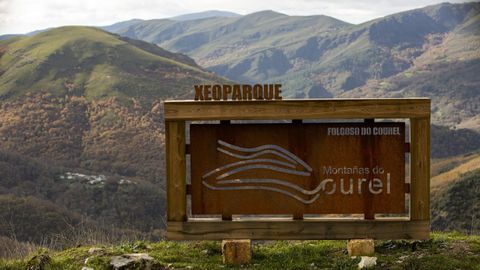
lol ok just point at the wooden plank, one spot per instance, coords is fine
(420, 169)
(298, 230)
(176, 181)
(297, 109)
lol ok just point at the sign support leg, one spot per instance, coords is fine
(237, 251)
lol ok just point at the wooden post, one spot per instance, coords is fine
(176, 178)
(369, 154)
(420, 168)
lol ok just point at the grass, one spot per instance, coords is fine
(442, 251)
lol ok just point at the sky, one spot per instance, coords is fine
(22, 16)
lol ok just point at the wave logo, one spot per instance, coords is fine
(267, 157)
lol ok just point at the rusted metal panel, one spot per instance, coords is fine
(328, 168)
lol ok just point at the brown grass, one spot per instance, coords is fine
(13, 249)
(465, 164)
(78, 236)
(439, 166)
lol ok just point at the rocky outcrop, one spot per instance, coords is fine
(135, 261)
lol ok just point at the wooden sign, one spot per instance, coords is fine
(238, 92)
(346, 168)
(299, 169)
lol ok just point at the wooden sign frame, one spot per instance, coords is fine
(416, 226)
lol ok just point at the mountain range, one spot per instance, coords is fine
(432, 51)
(205, 15)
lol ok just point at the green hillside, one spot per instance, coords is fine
(89, 62)
(456, 205)
(85, 98)
(445, 142)
(41, 202)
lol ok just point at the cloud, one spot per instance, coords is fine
(4, 11)
(20, 16)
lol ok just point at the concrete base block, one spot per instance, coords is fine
(237, 251)
(361, 247)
